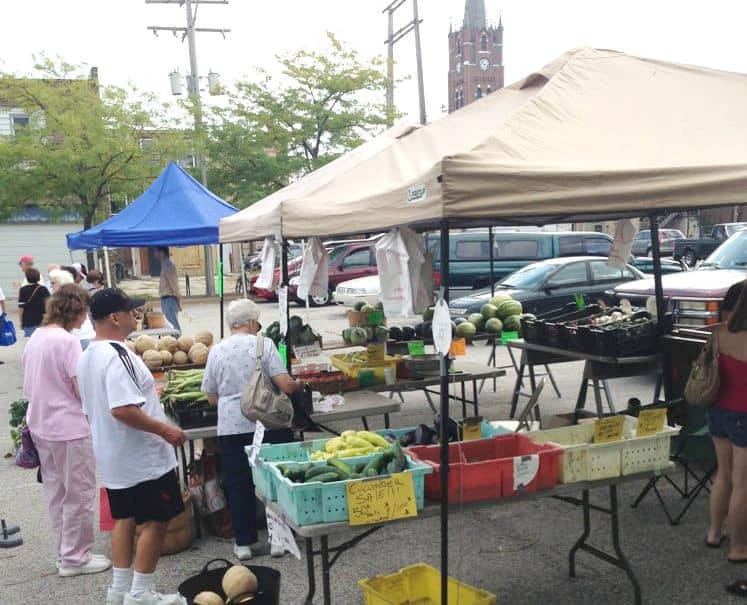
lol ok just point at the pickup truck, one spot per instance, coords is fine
(695, 297)
(692, 250)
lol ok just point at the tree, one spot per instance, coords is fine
(83, 145)
(318, 106)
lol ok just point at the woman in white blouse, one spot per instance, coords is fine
(229, 367)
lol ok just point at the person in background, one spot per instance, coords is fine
(229, 367)
(25, 263)
(85, 333)
(95, 281)
(134, 447)
(51, 267)
(61, 433)
(81, 272)
(31, 301)
(727, 421)
(168, 288)
(2, 310)
(60, 277)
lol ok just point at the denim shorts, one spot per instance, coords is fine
(728, 425)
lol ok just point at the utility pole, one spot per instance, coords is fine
(392, 38)
(193, 89)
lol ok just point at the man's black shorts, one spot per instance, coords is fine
(156, 500)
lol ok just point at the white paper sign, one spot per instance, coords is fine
(259, 435)
(525, 470)
(280, 534)
(442, 327)
(283, 308)
(622, 244)
(307, 351)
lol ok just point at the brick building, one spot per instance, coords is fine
(475, 56)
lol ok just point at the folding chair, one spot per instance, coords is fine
(693, 451)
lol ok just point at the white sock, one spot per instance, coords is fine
(141, 582)
(121, 578)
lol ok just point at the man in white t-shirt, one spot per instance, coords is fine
(134, 447)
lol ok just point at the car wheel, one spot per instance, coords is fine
(320, 301)
(690, 258)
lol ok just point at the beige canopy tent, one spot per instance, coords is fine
(594, 133)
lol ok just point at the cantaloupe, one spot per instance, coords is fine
(144, 343)
(168, 343)
(185, 343)
(179, 358)
(204, 337)
(166, 357)
(152, 359)
(198, 353)
(239, 581)
(131, 346)
(208, 598)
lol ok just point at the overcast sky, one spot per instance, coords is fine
(113, 35)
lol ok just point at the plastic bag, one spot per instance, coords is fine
(27, 456)
(7, 332)
(314, 277)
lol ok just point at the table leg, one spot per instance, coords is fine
(365, 422)
(598, 398)
(325, 571)
(533, 384)
(584, 536)
(310, 572)
(386, 421)
(430, 401)
(474, 397)
(618, 549)
(464, 401)
(518, 384)
(552, 380)
(581, 400)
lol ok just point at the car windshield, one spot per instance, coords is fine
(732, 229)
(530, 276)
(336, 252)
(732, 254)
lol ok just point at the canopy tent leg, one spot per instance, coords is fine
(220, 287)
(284, 283)
(242, 269)
(492, 271)
(107, 269)
(443, 438)
(656, 255)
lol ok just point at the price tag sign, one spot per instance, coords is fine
(283, 351)
(375, 318)
(283, 308)
(380, 500)
(280, 534)
(305, 351)
(259, 435)
(651, 422)
(607, 430)
(525, 470)
(375, 353)
(506, 336)
(458, 347)
(580, 302)
(416, 347)
(441, 327)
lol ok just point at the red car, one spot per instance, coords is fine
(294, 268)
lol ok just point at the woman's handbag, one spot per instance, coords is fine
(7, 332)
(27, 456)
(262, 401)
(703, 384)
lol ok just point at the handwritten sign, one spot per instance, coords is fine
(416, 347)
(651, 422)
(380, 500)
(280, 534)
(580, 302)
(375, 353)
(472, 429)
(306, 351)
(253, 449)
(375, 318)
(525, 470)
(607, 430)
(458, 347)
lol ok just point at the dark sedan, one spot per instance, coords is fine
(551, 283)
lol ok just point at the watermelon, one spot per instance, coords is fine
(509, 307)
(428, 314)
(408, 333)
(359, 305)
(396, 333)
(488, 311)
(512, 323)
(493, 326)
(499, 298)
(367, 309)
(477, 319)
(381, 334)
(459, 320)
(346, 335)
(369, 332)
(295, 323)
(358, 336)
(379, 306)
(466, 329)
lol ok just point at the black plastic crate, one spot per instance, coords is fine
(196, 416)
(530, 329)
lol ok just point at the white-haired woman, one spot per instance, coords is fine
(61, 277)
(229, 367)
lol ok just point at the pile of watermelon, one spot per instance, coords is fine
(500, 313)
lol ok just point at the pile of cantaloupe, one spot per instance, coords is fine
(239, 585)
(170, 351)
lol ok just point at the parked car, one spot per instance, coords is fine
(469, 252)
(550, 284)
(645, 264)
(365, 289)
(695, 297)
(642, 242)
(690, 251)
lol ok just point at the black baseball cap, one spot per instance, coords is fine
(111, 300)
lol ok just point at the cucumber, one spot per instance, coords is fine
(341, 467)
(375, 465)
(326, 477)
(399, 455)
(319, 470)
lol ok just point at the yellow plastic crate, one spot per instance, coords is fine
(352, 368)
(420, 584)
(583, 460)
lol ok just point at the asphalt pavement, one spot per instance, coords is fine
(518, 551)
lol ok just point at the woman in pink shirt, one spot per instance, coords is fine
(60, 431)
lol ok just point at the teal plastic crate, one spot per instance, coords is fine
(300, 451)
(316, 502)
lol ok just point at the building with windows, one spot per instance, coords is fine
(475, 56)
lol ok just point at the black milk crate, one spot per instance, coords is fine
(196, 416)
(530, 329)
(557, 335)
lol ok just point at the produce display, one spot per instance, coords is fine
(350, 444)
(298, 333)
(367, 324)
(389, 461)
(182, 389)
(326, 382)
(169, 351)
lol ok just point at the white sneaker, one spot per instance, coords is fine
(277, 551)
(58, 562)
(242, 553)
(150, 597)
(95, 565)
(114, 597)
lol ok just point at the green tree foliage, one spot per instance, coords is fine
(291, 121)
(84, 145)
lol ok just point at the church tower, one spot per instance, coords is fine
(475, 56)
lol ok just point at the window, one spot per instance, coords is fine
(516, 249)
(597, 246)
(490, 89)
(472, 250)
(570, 275)
(359, 258)
(602, 272)
(478, 92)
(19, 120)
(458, 46)
(571, 245)
(484, 42)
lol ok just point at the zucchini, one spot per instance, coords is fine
(375, 465)
(319, 470)
(326, 477)
(399, 455)
(341, 467)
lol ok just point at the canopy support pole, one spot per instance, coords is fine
(443, 438)
(106, 264)
(490, 252)
(242, 269)
(220, 286)
(284, 283)
(656, 255)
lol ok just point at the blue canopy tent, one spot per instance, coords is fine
(176, 210)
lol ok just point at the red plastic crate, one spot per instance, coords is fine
(484, 469)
